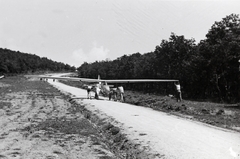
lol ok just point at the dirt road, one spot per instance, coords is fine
(160, 133)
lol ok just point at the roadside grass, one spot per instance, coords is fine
(68, 126)
(19, 83)
(4, 105)
(218, 114)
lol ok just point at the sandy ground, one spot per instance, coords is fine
(38, 123)
(161, 133)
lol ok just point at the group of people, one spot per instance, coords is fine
(119, 91)
(112, 94)
(94, 89)
(115, 92)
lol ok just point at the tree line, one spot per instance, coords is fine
(15, 62)
(207, 70)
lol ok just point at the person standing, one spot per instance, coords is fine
(121, 91)
(97, 92)
(114, 94)
(178, 89)
(89, 88)
(110, 94)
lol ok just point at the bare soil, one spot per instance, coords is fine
(38, 121)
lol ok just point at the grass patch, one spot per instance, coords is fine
(5, 105)
(74, 126)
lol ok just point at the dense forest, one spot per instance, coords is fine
(207, 70)
(15, 62)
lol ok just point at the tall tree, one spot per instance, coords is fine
(175, 58)
(221, 52)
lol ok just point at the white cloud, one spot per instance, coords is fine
(95, 54)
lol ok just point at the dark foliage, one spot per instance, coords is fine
(15, 62)
(208, 70)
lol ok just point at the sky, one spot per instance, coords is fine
(78, 31)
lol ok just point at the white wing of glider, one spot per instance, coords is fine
(137, 80)
(62, 78)
(101, 80)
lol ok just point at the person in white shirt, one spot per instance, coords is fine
(178, 88)
(89, 88)
(97, 92)
(121, 91)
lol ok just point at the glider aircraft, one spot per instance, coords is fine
(1, 77)
(101, 85)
